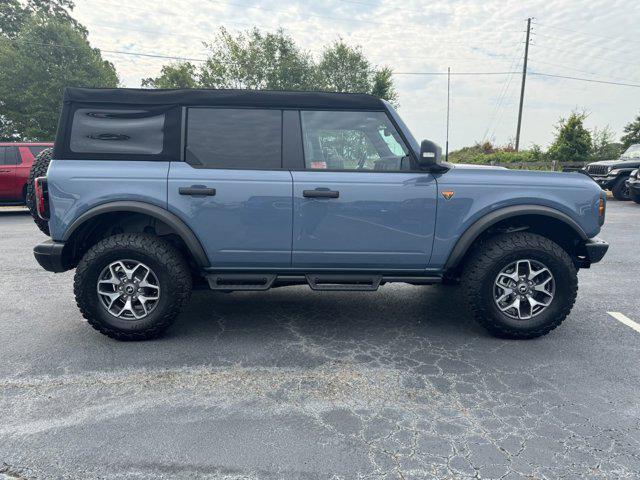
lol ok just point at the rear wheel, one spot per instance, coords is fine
(38, 169)
(520, 285)
(132, 286)
(620, 190)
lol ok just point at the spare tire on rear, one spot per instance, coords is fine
(38, 169)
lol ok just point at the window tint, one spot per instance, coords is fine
(234, 138)
(35, 150)
(11, 156)
(352, 141)
(117, 131)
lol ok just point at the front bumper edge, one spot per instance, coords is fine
(596, 248)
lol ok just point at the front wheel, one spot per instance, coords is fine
(132, 286)
(520, 285)
(620, 190)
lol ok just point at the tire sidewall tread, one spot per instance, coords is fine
(38, 169)
(163, 258)
(617, 190)
(493, 255)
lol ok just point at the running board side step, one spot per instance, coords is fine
(317, 281)
(320, 281)
(241, 281)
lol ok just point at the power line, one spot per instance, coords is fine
(190, 59)
(636, 85)
(454, 73)
(565, 67)
(583, 45)
(588, 34)
(503, 93)
(119, 52)
(569, 53)
(529, 73)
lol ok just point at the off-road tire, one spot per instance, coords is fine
(620, 190)
(38, 169)
(491, 256)
(164, 259)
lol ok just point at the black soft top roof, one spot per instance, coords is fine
(241, 98)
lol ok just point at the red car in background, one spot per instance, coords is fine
(15, 162)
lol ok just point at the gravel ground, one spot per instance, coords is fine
(296, 384)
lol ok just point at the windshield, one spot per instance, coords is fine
(632, 152)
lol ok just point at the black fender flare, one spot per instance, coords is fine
(187, 235)
(482, 224)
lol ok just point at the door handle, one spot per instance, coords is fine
(321, 193)
(197, 190)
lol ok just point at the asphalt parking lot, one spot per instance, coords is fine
(295, 384)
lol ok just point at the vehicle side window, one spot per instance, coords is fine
(352, 141)
(2, 151)
(117, 131)
(12, 156)
(35, 150)
(240, 138)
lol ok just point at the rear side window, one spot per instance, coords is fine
(241, 138)
(114, 132)
(117, 131)
(35, 150)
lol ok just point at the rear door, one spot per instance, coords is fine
(8, 161)
(359, 204)
(231, 189)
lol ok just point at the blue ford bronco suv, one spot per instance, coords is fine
(151, 193)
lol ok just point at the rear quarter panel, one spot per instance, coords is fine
(481, 191)
(76, 186)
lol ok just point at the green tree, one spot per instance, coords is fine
(631, 133)
(344, 69)
(256, 60)
(273, 61)
(383, 86)
(604, 148)
(573, 141)
(175, 75)
(47, 54)
(14, 13)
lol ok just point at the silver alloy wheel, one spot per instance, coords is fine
(128, 289)
(524, 289)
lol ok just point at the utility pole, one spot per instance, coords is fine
(446, 148)
(524, 79)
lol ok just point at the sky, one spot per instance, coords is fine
(594, 39)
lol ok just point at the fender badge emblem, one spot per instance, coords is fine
(448, 194)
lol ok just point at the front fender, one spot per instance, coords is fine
(475, 230)
(482, 197)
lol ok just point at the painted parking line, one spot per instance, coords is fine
(626, 320)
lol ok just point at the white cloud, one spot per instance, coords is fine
(415, 36)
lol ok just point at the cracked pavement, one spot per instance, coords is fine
(296, 384)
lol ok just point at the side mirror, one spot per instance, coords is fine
(430, 154)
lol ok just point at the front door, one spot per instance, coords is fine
(359, 204)
(232, 191)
